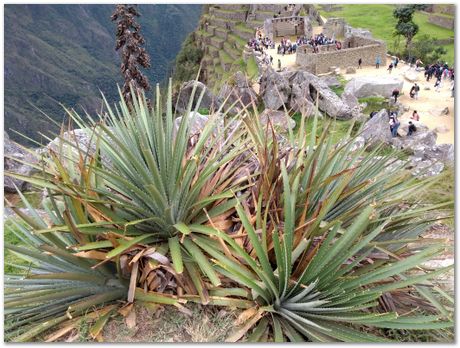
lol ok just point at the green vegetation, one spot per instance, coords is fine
(313, 271)
(188, 60)
(374, 104)
(243, 27)
(251, 68)
(340, 89)
(378, 18)
(66, 54)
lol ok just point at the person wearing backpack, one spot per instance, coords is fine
(412, 129)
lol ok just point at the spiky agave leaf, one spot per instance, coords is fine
(327, 301)
(53, 285)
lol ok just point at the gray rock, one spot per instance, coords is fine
(197, 123)
(308, 86)
(277, 118)
(181, 99)
(426, 88)
(428, 168)
(367, 86)
(238, 89)
(358, 143)
(439, 112)
(350, 70)
(406, 108)
(12, 153)
(411, 75)
(330, 81)
(350, 100)
(274, 89)
(377, 129)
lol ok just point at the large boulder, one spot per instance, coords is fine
(368, 86)
(12, 154)
(238, 90)
(274, 89)
(411, 75)
(277, 118)
(306, 86)
(181, 99)
(377, 129)
(197, 123)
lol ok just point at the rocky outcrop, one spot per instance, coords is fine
(12, 154)
(368, 86)
(238, 90)
(377, 129)
(274, 89)
(181, 99)
(278, 119)
(411, 75)
(306, 88)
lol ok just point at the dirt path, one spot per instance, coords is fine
(428, 103)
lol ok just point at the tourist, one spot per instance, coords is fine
(452, 89)
(390, 67)
(360, 61)
(394, 125)
(271, 60)
(412, 129)
(418, 64)
(395, 94)
(377, 62)
(414, 91)
(396, 61)
(279, 65)
(415, 116)
(437, 84)
(372, 114)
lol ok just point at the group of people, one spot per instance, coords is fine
(261, 44)
(395, 123)
(286, 47)
(318, 40)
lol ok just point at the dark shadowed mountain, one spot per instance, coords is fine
(66, 54)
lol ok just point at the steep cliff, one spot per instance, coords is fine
(66, 54)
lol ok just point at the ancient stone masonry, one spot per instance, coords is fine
(442, 21)
(356, 44)
(287, 26)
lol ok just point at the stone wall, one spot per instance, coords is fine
(442, 21)
(287, 26)
(320, 63)
(334, 27)
(446, 9)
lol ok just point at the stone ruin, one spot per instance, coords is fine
(356, 44)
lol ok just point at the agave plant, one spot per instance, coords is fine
(53, 285)
(319, 268)
(331, 297)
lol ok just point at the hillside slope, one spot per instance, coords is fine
(66, 53)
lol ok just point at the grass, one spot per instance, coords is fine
(239, 40)
(243, 27)
(374, 104)
(251, 68)
(378, 18)
(225, 57)
(339, 89)
(167, 324)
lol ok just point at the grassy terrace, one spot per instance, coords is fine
(203, 33)
(239, 40)
(225, 57)
(243, 27)
(378, 18)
